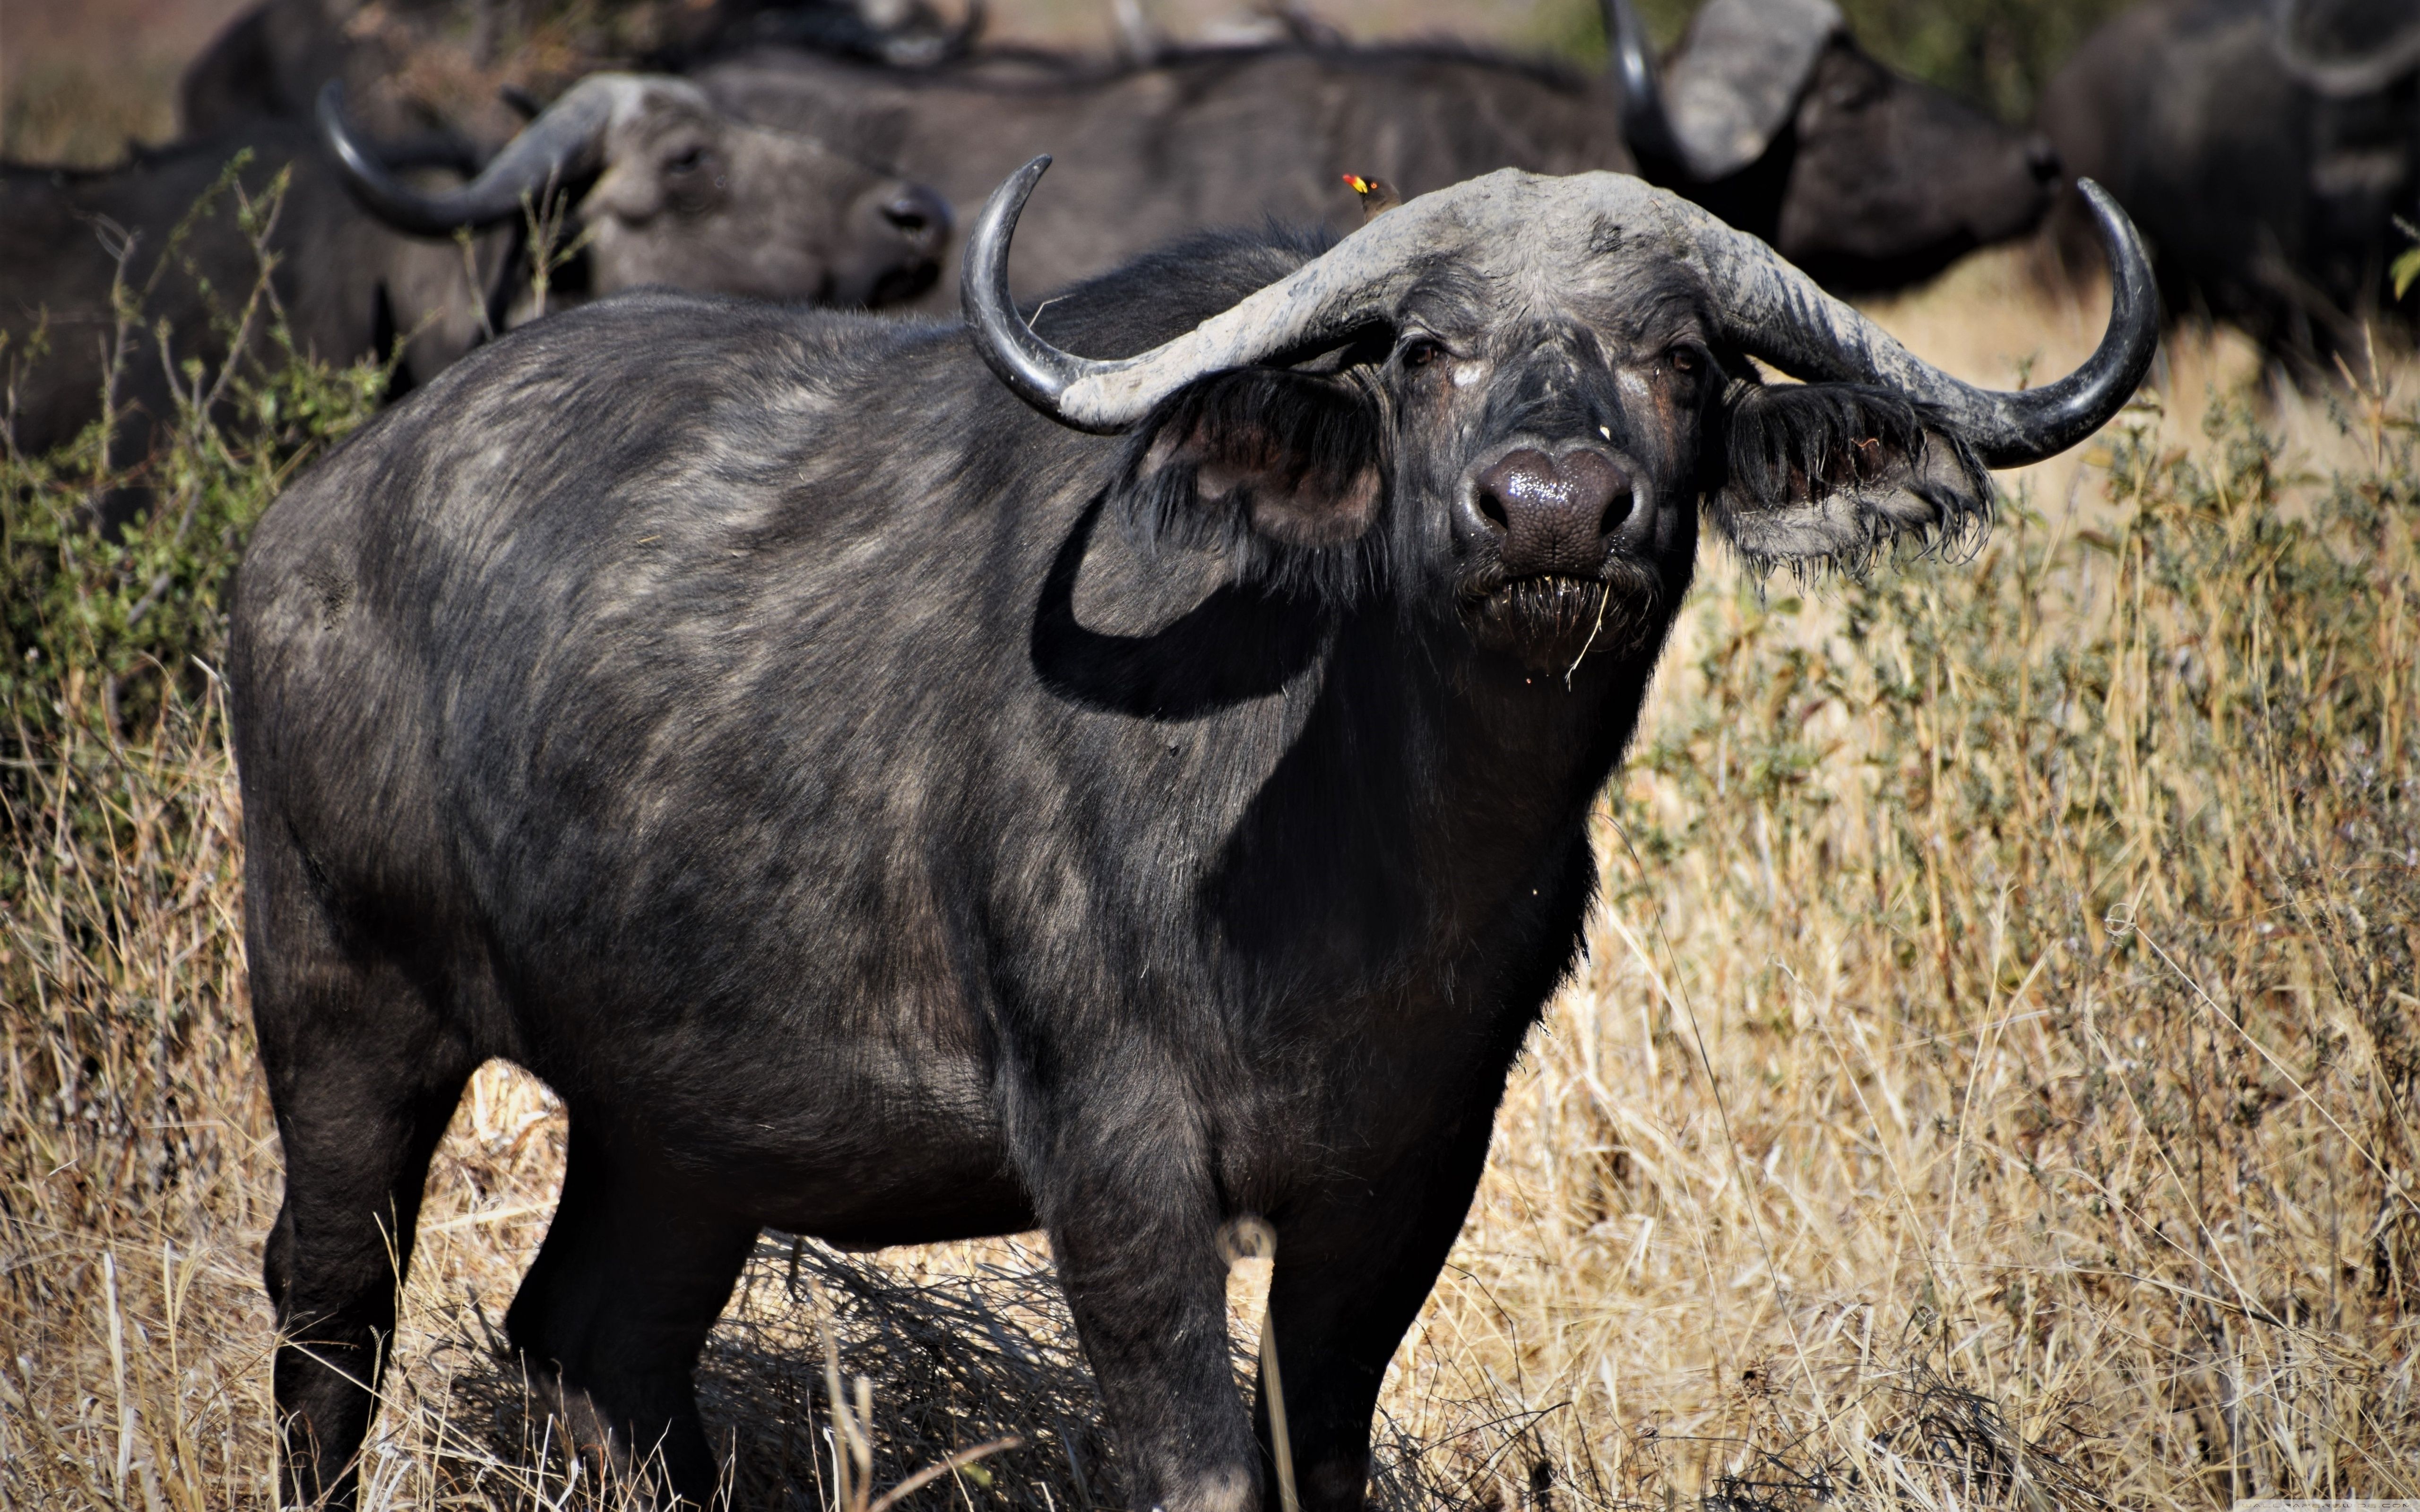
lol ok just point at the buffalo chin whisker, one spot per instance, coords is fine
(1553, 622)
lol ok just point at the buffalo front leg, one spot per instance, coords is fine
(633, 1273)
(1133, 1224)
(1351, 1276)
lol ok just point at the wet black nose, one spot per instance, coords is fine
(1553, 514)
(920, 216)
(2042, 159)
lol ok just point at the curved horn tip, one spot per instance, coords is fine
(1631, 56)
(2052, 419)
(1026, 177)
(364, 174)
(2133, 291)
(1033, 370)
(330, 113)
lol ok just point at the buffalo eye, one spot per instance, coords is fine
(1420, 351)
(687, 161)
(1686, 364)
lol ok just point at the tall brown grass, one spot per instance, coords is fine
(1991, 1083)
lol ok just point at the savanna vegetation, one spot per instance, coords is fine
(1991, 1082)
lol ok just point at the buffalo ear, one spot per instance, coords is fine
(1829, 474)
(1736, 82)
(1292, 456)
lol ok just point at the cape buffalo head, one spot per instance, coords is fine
(1773, 116)
(677, 192)
(1506, 400)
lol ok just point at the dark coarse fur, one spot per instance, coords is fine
(1791, 444)
(884, 815)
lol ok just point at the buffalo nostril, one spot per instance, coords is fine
(1491, 508)
(2042, 159)
(1616, 509)
(919, 215)
(1553, 514)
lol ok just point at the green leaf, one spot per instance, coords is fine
(2405, 270)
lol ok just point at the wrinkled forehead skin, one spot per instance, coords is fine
(1531, 248)
(659, 108)
(656, 94)
(1504, 294)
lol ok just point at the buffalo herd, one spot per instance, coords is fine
(913, 742)
(678, 193)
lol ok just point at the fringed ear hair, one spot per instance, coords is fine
(1827, 475)
(1281, 468)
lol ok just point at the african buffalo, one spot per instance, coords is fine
(675, 194)
(1772, 117)
(2266, 149)
(1871, 179)
(900, 781)
(670, 190)
(408, 65)
(348, 286)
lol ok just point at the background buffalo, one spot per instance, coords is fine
(359, 264)
(1774, 117)
(2268, 151)
(113, 280)
(658, 187)
(1868, 178)
(412, 64)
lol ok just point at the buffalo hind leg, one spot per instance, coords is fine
(363, 1080)
(616, 1307)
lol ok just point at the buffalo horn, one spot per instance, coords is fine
(563, 144)
(1777, 312)
(1762, 304)
(2366, 66)
(1345, 287)
(1644, 124)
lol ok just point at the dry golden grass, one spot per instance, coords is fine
(1991, 1083)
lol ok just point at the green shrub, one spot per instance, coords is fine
(94, 625)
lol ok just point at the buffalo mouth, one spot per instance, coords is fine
(898, 285)
(1554, 621)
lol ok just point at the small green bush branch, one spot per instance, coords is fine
(95, 626)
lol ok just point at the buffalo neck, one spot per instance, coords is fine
(1420, 815)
